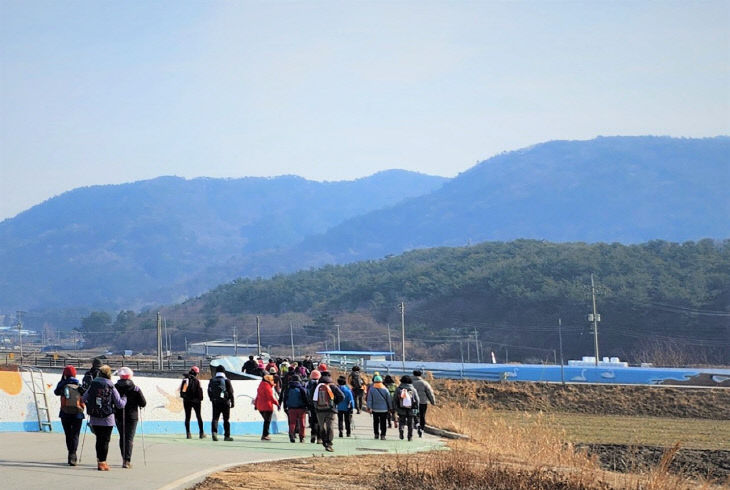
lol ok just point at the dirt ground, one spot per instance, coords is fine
(654, 401)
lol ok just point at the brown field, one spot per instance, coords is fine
(532, 436)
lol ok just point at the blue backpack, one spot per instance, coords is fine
(296, 398)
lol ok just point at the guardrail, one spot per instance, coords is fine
(46, 361)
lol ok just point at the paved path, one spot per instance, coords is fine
(38, 460)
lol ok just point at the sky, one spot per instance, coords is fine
(104, 92)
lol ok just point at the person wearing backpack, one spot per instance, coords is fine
(325, 398)
(358, 387)
(379, 405)
(389, 383)
(101, 399)
(72, 410)
(311, 385)
(220, 393)
(295, 402)
(192, 394)
(425, 395)
(345, 407)
(126, 418)
(265, 402)
(91, 374)
(406, 401)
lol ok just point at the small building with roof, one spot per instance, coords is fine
(352, 357)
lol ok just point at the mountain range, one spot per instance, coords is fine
(162, 240)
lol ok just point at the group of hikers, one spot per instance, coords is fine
(299, 388)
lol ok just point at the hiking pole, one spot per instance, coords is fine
(141, 429)
(83, 439)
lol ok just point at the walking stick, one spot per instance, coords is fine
(141, 429)
(83, 439)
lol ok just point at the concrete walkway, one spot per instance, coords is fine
(38, 460)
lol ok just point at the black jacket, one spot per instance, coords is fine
(229, 397)
(135, 399)
(194, 391)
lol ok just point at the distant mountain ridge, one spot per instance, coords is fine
(111, 246)
(168, 238)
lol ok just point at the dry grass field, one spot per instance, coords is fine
(541, 445)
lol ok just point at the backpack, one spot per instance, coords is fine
(101, 405)
(295, 398)
(406, 399)
(71, 403)
(190, 388)
(217, 388)
(356, 380)
(325, 399)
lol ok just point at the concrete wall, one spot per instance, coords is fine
(164, 412)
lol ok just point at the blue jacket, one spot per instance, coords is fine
(349, 402)
(379, 399)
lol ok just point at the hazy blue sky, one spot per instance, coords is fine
(99, 92)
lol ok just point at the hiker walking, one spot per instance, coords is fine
(325, 399)
(314, 377)
(101, 398)
(294, 398)
(72, 410)
(345, 407)
(358, 387)
(220, 393)
(380, 404)
(91, 374)
(389, 383)
(126, 418)
(425, 396)
(192, 394)
(264, 403)
(406, 402)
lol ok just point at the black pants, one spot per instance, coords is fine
(218, 410)
(71, 429)
(380, 421)
(103, 435)
(346, 418)
(313, 424)
(358, 394)
(422, 407)
(189, 407)
(406, 420)
(267, 422)
(325, 420)
(126, 428)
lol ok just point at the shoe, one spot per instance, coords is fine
(102, 466)
(348, 434)
(312, 439)
(382, 438)
(214, 436)
(291, 438)
(188, 436)
(126, 464)
(340, 433)
(202, 435)
(319, 441)
(265, 438)
(410, 438)
(420, 433)
(301, 439)
(358, 411)
(228, 438)
(390, 426)
(401, 435)
(329, 449)
(377, 437)
(72, 459)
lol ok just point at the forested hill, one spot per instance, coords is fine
(146, 242)
(512, 293)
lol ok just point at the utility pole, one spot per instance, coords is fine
(164, 333)
(390, 344)
(186, 344)
(595, 318)
(560, 339)
(19, 315)
(159, 341)
(476, 344)
(403, 334)
(258, 333)
(291, 335)
(235, 341)
(339, 346)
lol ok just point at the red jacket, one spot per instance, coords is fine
(265, 400)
